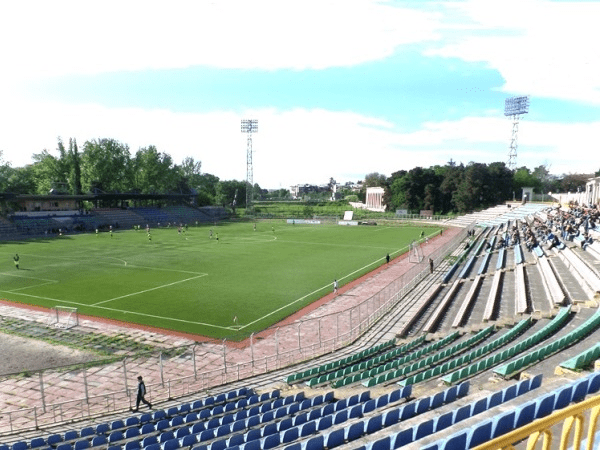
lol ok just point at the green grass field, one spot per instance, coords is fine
(192, 283)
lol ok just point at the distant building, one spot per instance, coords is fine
(374, 199)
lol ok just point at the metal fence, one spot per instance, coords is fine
(54, 396)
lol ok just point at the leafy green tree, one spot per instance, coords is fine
(106, 166)
(522, 177)
(574, 182)
(19, 180)
(470, 192)
(75, 163)
(47, 173)
(497, 185)
(155, 172)
(231, 193)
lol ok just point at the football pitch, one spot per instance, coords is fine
(193, 283)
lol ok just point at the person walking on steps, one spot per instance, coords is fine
(141, 394)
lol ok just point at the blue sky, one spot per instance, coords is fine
(340, 88)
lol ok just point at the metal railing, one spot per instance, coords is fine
(182, 375)
(577, 422)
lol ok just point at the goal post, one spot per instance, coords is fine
(64, 317)
(415, 252)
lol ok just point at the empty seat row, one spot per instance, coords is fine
(520, 416)
(341, 362)
(537, 355)
(374, 362)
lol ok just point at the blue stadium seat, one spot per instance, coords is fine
(307, 429)
(315, 443)
(525, 414)
(456, 441)
(54, 439)
(423, 429)
(132, 432)
(324, 422)
(450, 394)
(408, 411)
(480, 406)
(172, 444)
(340, 417)
(290, 435)
(444, 421)
(438, 400)
(381, 444)
(354, 431)
(99, 440)
(82, 444)
(87, 431)
(462, 413)
(166, 436)
(503, 423)
(132, 445)
(495, 399)
(149, 440)
(423, 405)
(269, 442)
(544, 405)
(563, 397)
(580, 390)
(334, 438)
(594, 385)
(403, 437)
(391, 417)
(20, 445)
(37, 442)
(115, 436)
(480, 433)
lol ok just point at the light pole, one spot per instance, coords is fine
(514, 107)
(249, 126)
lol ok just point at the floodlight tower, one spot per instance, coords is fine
(249, 126)
(514, 107)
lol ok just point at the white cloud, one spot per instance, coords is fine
(299, 145)
(541, 48)
(75, 37)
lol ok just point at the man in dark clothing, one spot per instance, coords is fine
(140, 395)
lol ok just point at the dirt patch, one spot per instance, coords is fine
(21, 354)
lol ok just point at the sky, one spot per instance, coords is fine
(340, 88)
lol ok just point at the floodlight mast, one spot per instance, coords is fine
(249, 126)
(514, 107)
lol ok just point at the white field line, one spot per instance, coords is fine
(126, 312)
(148, 290)
(45, 281)
(314, 292)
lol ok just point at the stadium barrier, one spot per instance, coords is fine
(183, 374)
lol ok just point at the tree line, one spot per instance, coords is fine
(462, 188)
(108, 166)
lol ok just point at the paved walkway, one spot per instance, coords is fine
(197, 369)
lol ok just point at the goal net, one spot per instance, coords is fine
(415, 252)
(63, 317)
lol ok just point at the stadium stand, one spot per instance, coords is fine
(498, 330)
